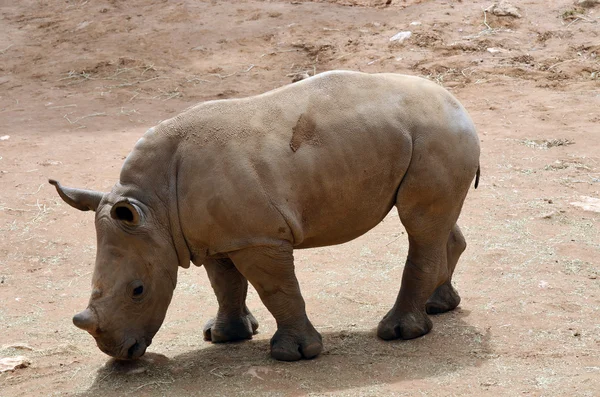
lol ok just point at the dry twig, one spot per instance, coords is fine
(77, 120)
(6, 49)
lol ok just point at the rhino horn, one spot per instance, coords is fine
(81, 199)
(86, 320)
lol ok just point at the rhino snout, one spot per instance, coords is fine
(87, 321)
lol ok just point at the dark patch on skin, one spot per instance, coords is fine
(305, 131)
(282, 230)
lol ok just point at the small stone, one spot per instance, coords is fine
(587, 203)
(504, 9)
(11, 363)
(83, 25)
(401, 36)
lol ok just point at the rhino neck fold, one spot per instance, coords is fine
(179, 242)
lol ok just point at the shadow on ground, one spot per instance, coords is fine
(351, 359)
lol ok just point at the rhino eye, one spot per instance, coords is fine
(124, 214)
(136, 290)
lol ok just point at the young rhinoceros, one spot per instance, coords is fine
(236, 185)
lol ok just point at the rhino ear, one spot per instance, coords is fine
(83, 200)
(126, 212)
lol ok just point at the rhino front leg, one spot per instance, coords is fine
(271, 272)
(233, 320)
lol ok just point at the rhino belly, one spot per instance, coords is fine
(338, 193)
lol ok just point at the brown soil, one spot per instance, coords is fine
(80, 81)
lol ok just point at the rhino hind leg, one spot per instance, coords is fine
(429, 202)
(271, 271)
(445, 297)
(233, 320)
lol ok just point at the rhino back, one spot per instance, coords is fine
(317, 163)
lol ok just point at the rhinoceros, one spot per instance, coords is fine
(236, 185)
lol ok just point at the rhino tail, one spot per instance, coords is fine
(477, 174)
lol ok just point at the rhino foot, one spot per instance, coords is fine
(230, 329)
(403, 325)
(445, 298)
(292, 346)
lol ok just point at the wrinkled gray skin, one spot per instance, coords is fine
(236, 185)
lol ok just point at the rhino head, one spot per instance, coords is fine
(135, 272)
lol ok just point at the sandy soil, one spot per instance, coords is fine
(80, 81)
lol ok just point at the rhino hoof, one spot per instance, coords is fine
(404, 326)
(231, 329)
(444, 299)
(287, 346)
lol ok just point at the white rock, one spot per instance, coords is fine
(401, 36)
(82, 25)
(588, 204)
(4, 137)
(12, 363)
(415, 23)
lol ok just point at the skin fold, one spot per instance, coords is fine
(236, 185)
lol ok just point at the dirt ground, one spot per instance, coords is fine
(80, 82)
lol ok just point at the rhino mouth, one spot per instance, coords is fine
(136, 350)
(131, 349)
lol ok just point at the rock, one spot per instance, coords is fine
(4, 137)
(588, 204)
(401, 36)
(12, 363)
(493, 50)
(504, 9)
(83, 25)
